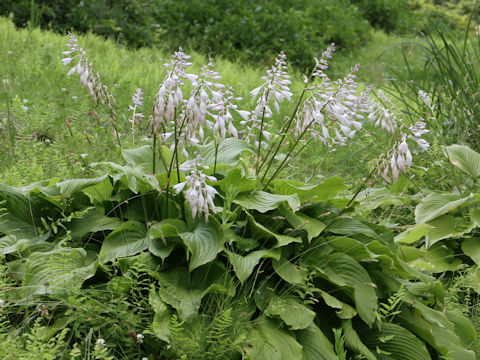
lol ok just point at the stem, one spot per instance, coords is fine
(117, 136)
(133, 126)
(154, 157)
(261, 132)
(216, 153)
(285, 129)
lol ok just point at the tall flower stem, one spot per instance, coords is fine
(154, 157)
(261, 132)
(285, 128)
(216, 154)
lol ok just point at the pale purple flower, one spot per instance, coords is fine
(197, 192)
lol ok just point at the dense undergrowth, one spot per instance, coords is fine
(200, 230)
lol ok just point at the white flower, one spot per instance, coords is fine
(140, 338)
(197, 192)
(100, 342)
(2, 304)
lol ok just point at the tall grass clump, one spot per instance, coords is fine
(451, 78)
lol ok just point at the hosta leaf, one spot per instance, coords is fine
(436, 329)
(203, 243)
(293, 313)
(395, 343)
(324, 191)
(92, 220)
(161, 234)
(343, 270)
(70, 187)
(435, 205)
(315, 345)
(446, 226)
(161, 319)
(229, 151)
(128, 239)
(237, 182)
(22, 211)
(263, 201)
(344, 311)
(270, 342)
(244, 265)
(463, 328)
(350, 226)
(465, 158)
(353, 341)
(300, 221)
(433, 260)
(100, 192)
(289, 272)
(260, 232)
(471, 248)
(371, 199)
(141, 156)
(413, 234)
(56, 271)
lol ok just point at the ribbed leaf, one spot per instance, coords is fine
(393, 342)
(244, 265)
(315, 345)
(413, 234)
(289, 272)
(69, 187)
(353, 341)
(270, 342)
(471, 248)
(435, 205)
(465, 158)
(204, 243)
(324, 191)
(92, 220)
(260, 232)
(128, 239)
(445, 227)
(56, 271)
(263, 201)
(299, 221)
(293, 313)
(229, 151)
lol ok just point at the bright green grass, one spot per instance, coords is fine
(33, 100)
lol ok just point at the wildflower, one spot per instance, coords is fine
(100, 342)
(170, 95)
(197, 192)
(276, 88)
(2, 304)
(140, 338)
(137, 101)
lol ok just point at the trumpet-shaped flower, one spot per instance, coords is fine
(197, 192)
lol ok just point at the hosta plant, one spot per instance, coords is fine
(196, 248)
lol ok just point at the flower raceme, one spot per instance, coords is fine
(197, 192)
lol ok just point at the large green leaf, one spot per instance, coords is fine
(69, 187)
(162, 235)
(471, 248)
(344, 311)
(162, 317)
(244, 265)
(299, 221)
(446, 226)
(92, 220)
(204, 243)
(413, 234)
(344, 271)
(315, 345)
(229, 151)
(289, 272)
(237, 182)
(260, 232)
(184, 290)
(393, 342)
(270, 342)
(353, 341)
(292, 312)
(465, 158)
(326, 190)
(56, 271)
(349, 226)
(435, 205)
(263, 201)
(22, 211)
(371, 199)
(436, 329)
(128, 239)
